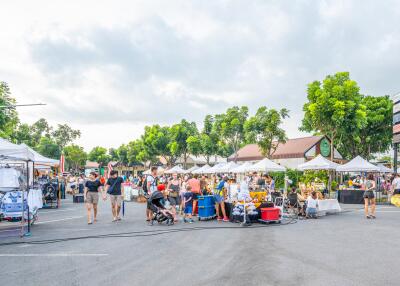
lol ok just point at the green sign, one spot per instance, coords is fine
(325, 147)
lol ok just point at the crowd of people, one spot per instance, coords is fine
(180, 192)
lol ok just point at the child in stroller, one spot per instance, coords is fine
(157, 205)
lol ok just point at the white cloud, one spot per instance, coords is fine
(111, 67)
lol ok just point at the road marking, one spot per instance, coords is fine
(57, 220)
(54, 255)
(45, 211)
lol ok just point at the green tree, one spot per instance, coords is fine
(8, 114)
(113, 154)
(376, 135)
(179, 135)
(264, 129)
(48, 148)
(75, 157)
(334, 107)
(64, 135)
(122, 154)
(23, 134)
(99, 154)
(157, 141)
(137, 152)
(39, 129)
(194, 145)
(230, 127)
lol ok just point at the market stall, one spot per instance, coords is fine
(175, 170)
(349, 194)
(202, 170)
(15, 202)
(190, 171)
(241, 169)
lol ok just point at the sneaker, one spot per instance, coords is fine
(225, 219)
(191, 221)
(184, 220)
(219, 218)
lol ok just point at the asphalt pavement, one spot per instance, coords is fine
(343, 249)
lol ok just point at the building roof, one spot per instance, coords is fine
(293, 148)
(91, 165)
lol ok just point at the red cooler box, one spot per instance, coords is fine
(270, 214)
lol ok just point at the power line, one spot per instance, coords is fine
(21, 105)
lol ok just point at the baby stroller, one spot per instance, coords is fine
(160, 213)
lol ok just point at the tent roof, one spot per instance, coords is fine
(175, 169)
(358, 164)
(192, 169)
(266, 165)
(318, 163)
(215, 169)
(384, 169)
(227, 168)
(202, 170)
(38, 158)
(242, 168)
(12, 151)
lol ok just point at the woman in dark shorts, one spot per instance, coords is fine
(173, 188)
(92, 196)
(369, 197)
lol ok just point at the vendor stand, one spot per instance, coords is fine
(16, 154)
(351, 195)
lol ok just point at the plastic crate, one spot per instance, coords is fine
(205, 212)
(206, 201)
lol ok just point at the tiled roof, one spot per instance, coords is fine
(293, 148)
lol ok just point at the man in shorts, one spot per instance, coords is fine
(113, 188)
(152, 182)
(194, 183)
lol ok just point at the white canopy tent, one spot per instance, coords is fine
(202, 170)
(241, 169)
(358, 164)
(40, 159)
(384, 169)
(189, 171)
(266, 165)
(12, 151)
(216, 168)
(318, 163)
(175, 170)
(160, 171)
(227, 168)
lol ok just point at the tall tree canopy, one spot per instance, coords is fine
(8, 114)
(376, 135)
(157, 141)
(334, 107)
(264, 129)
(48, 148)
(75, 156)
(64, 135)
(99, 154)
(230, 127)
(179, 138)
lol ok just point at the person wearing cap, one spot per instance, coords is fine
(219, 195)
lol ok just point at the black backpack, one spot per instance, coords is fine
(146, 191)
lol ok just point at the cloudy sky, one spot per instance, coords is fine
(110, 67)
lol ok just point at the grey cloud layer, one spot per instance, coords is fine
(261, 53)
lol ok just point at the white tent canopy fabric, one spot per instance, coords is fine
(318, 163)
(242, 168)
(202, 170)
(384, 169)
(266, 165)
(40, 159)
(227, 168)
(189, 171)
(175, 170)
(358, 164)
(160, 171)
(12, 151)
(216, 168)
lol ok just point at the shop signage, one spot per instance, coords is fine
(325, 147)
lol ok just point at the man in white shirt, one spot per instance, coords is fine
(151, 188)
(396, 185)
